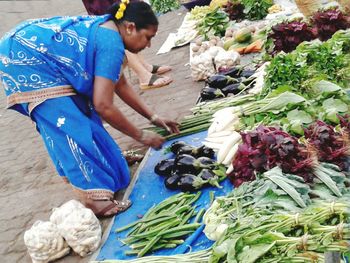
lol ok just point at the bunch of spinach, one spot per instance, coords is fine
(214, 24)
(256, 9)
(310, 62)
(164, 6)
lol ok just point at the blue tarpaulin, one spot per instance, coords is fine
(150, 190)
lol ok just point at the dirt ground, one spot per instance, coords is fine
(30, 187)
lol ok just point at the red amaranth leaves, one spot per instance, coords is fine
(328, 22)
(331, 146)
(267, 147)
(288, 35)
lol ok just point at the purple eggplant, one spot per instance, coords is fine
(231, 89)
(220, 81)
(209, 93)
(204, 151)
(190, 183)
(186, 163)
(164, 167)
(176, 146)
(172, 181)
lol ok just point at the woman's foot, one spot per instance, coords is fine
(156, 69)
(107, 208)
(155, 81)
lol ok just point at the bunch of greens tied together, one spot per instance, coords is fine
(273, 219)
(164, 226)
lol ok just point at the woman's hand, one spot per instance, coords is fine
(170, 125)
(151, 139)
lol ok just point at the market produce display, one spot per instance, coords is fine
(279, 129)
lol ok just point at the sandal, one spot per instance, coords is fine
(151, 84)
(120, 205)
(156, 69)
(132, 157)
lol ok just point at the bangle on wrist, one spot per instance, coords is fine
(153, 118)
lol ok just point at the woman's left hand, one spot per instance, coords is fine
(170, 125)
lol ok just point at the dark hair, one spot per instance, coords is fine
(138, 12)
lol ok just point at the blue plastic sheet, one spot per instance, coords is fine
(149, 190)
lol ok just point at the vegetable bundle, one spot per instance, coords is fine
(163, 226)
(267, 147)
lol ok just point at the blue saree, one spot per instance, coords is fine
(47, 69)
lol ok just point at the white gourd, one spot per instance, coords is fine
(79, 226)
(45, 243)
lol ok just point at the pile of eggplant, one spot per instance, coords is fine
(228, 83)
(191, 168)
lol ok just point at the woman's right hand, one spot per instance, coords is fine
(151, 139)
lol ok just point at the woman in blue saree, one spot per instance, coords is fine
(62, 72)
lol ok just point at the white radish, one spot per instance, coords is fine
(217, 139)
(229, 169)
(226, 123)
(220, 134)
(226, 146)
(231, 154)
(223, 112)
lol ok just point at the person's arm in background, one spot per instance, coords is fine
(103, 103)
(130, 97)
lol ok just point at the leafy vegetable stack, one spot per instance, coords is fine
(327, 22)
(288, 35)
(267, 147)
(331, 146)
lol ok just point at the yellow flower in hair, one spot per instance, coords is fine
(125, 1)
(122, 7)
(119, 15)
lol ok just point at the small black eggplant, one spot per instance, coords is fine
(185, 163)
(187, 150)
(172, 181)
(204, 151)
(190, 182)
(231, 89)
(175, 146)
(205, 162)
(247, 73)
(232, 72)
(207, 174)
(164, 167)
(209, 93)
(209, 177)
(220, 81)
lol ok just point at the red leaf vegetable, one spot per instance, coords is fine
(267, 147)
(331, 146)
(288, 35)
(327, 22)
